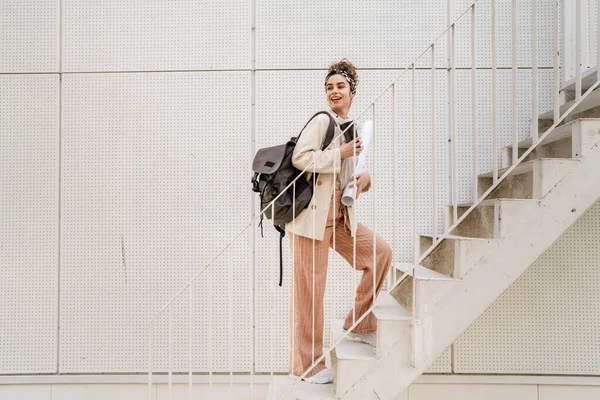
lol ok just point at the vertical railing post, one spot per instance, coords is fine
(433, 147)
(210, 331)
(414, 170)
(272, 300)
(474, 102)
(333, 313)
(578, 29)
(251, 284)
(314, 181)
(534, 70)
(373, 141)
(230, 279)
(494, 85)
(556, 96)
(293, 305)
(150, 326)
(190, 313)
(453, 123)
(354, 189)
(597, 42)
(171, 350)
(566, 44)
(392, 275)
(515, 125)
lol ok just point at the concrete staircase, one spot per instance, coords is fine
(468, 270)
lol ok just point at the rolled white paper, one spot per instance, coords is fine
(366, 134)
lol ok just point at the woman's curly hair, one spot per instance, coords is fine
(345, 68)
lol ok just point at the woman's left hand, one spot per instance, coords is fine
(363, 182)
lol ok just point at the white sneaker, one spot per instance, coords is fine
(324, 376)
(368, 338)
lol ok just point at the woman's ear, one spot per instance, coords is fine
(352, 97)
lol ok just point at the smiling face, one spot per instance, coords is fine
(338, 94)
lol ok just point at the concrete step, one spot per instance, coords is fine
(591, 102)
(431, 286)
(453, 255)
(349, 349)
(350, 358)
(491, 218)
(285, 388)
(588, 78)
(420, 272)
(528, 180)
(388, 309)
(393, 324)
(571, 140)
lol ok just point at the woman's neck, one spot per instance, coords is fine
(343, 114)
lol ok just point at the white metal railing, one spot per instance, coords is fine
(225, 257)
(580, 47)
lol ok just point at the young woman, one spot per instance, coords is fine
(334, 167)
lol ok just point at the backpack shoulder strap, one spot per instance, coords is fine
(330, 132)
(330, 129)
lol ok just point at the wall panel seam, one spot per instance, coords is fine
(60, 119)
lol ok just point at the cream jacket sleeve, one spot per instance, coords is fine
(308, 149)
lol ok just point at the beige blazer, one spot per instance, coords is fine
(328, 164)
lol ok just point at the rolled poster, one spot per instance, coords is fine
(366, 134)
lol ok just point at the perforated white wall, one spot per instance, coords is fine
(311, 34)
(443, 364)
(155, 163)
(135, 35)
(152, 191)
(548, 321)
(29, 176)
(29, 36)
(545, 21)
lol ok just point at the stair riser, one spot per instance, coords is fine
(390, 333)
(348, 372)
(515, 187)
(451, 257)
(428, 294)
(441, 259)
(586, 135)
(559, 149)
(492, 221)
(531, 185)
(480, 223)
(574, 141)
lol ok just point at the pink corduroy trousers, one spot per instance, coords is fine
(307, 345)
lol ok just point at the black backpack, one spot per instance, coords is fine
(273, 172)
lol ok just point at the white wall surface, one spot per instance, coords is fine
(551, 310)
(135, 35)
(137, 121)
(29, 241)
(29, 36)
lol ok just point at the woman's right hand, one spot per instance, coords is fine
(347, 149)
